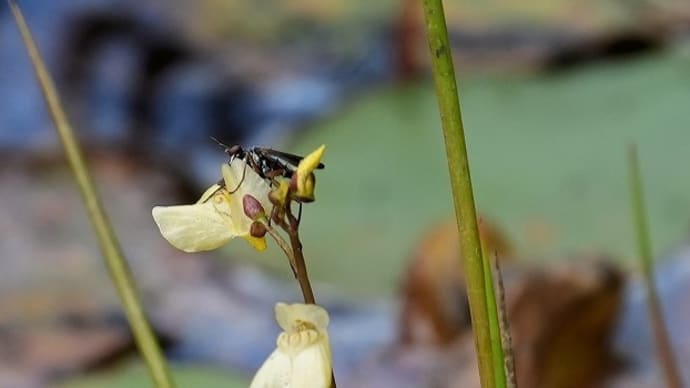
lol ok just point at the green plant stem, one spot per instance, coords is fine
(117, 266)
(661, 337)
(506, 339)
(497, 355)
(453, 133)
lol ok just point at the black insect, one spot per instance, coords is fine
(266, 162)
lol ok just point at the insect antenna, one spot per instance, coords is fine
(220, 143)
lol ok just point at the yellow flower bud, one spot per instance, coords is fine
(303, 180)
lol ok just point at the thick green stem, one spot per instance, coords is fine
(453, 132)
(117, 266)
(661, 337)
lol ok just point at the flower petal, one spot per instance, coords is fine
(303, 356)
(209, 193)
(275, 372)
(311, 161)
(258, 243)
(312, 366)
(278, 195)
(304, 176)
(212, 222)
(241, 179)
(291, 316)
(193, 228)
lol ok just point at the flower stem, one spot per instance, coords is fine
(117, 266)
(461, 183)
(301, 267)
(291, 227)
(661, 337)
(300, 264)
(285, 247)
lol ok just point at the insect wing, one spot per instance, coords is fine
(285, 157)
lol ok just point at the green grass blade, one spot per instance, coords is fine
(661, 337)
(117, 266)
(463, 198)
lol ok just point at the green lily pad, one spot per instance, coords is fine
(547, 154)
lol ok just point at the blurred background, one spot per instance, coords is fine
(552, 94)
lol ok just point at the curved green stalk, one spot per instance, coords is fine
(117, 266)
(461, 183)
(661, 338)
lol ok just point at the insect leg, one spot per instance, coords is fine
(244, 171)
(220, 184)
(275, 173)
(270, 217)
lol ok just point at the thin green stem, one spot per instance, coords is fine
(117, 266)
(661, 337)
(498, 357)
(506, 339)
(461, 183)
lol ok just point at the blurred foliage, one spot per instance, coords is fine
(134, 375)
(271, 20)
(548, 160)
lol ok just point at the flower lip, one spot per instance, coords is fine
(292, 317)
(302, 357)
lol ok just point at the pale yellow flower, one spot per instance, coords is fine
(302, 358)
(303, 178)
(218, 216)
